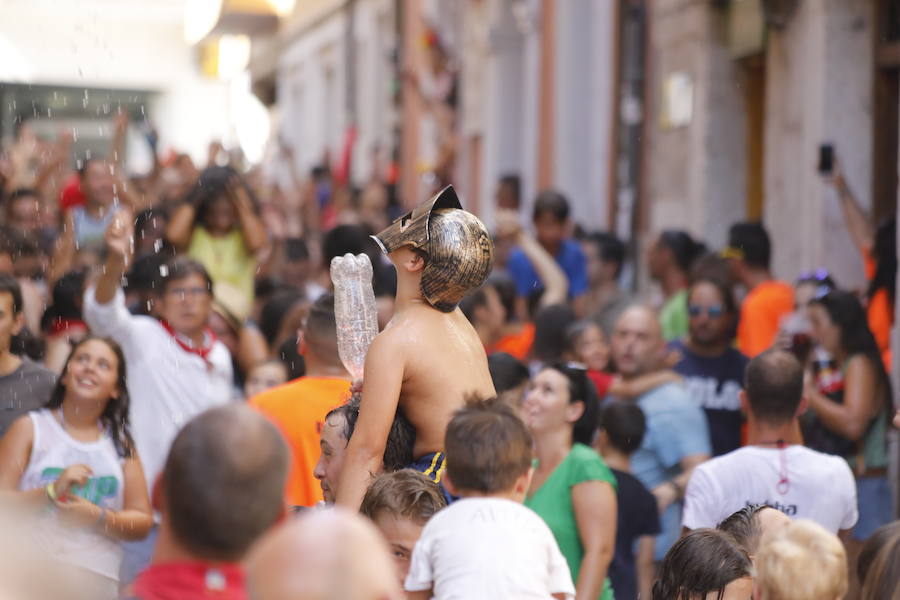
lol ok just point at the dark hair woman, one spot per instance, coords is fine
(77, 455)
(573, 490)
(852, 422)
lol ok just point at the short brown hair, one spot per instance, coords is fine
(488, 447)
(404, 493)
(224, 482)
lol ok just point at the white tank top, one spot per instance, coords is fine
(53, 451)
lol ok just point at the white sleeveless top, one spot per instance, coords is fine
(53, 451)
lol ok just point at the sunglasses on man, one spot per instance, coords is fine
(713, 312)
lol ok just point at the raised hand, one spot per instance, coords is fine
(75, 475)
(237, 193)
(836, 177)
(120, 235)
(508, 224)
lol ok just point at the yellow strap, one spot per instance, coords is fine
(440, 473)
(434, 460)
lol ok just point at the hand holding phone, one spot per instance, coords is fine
(826, 159)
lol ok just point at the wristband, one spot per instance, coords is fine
(51, 493)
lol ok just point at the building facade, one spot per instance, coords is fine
(648, 115)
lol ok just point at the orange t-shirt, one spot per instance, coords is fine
(298, 409)
(879, 314)
(516, 344)
(761, 314)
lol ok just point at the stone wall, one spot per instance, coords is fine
(694, 174)
(819, 89)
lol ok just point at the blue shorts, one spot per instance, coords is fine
(432, 466)
(875, 506)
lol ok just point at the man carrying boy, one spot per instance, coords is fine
(429, 358)
(488, 545)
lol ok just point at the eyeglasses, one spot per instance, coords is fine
(714, 312)
(184, 292)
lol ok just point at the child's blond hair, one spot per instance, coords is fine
(801, 561)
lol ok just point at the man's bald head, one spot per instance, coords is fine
(773, 384)
(323, 555)
(637, 342)
(224, 482)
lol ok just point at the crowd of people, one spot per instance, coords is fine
(177, 420)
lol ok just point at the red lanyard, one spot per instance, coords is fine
(784, 484)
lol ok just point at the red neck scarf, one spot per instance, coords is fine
(209, 339)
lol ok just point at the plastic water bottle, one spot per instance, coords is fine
(354, 310)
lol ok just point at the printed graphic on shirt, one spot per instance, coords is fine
(99, 490)
(788, 509)
(708, 392)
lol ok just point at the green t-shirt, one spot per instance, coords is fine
(673, 317)
(553, 503)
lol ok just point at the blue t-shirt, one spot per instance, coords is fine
(676, 428)
(571, 260)
(715, 384)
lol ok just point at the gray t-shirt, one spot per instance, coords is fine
(27, 388)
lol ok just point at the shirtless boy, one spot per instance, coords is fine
(428, 359)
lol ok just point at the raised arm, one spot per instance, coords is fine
(380, 396)
(117, 143)
(181, 226)
(556, 285)
(252, 228)
(63, 252)
(119, 240)
(858, 224)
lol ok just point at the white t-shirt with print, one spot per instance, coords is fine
(53, 450)
(488, 548)
(819, 487)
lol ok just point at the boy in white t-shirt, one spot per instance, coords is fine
(487, 544)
